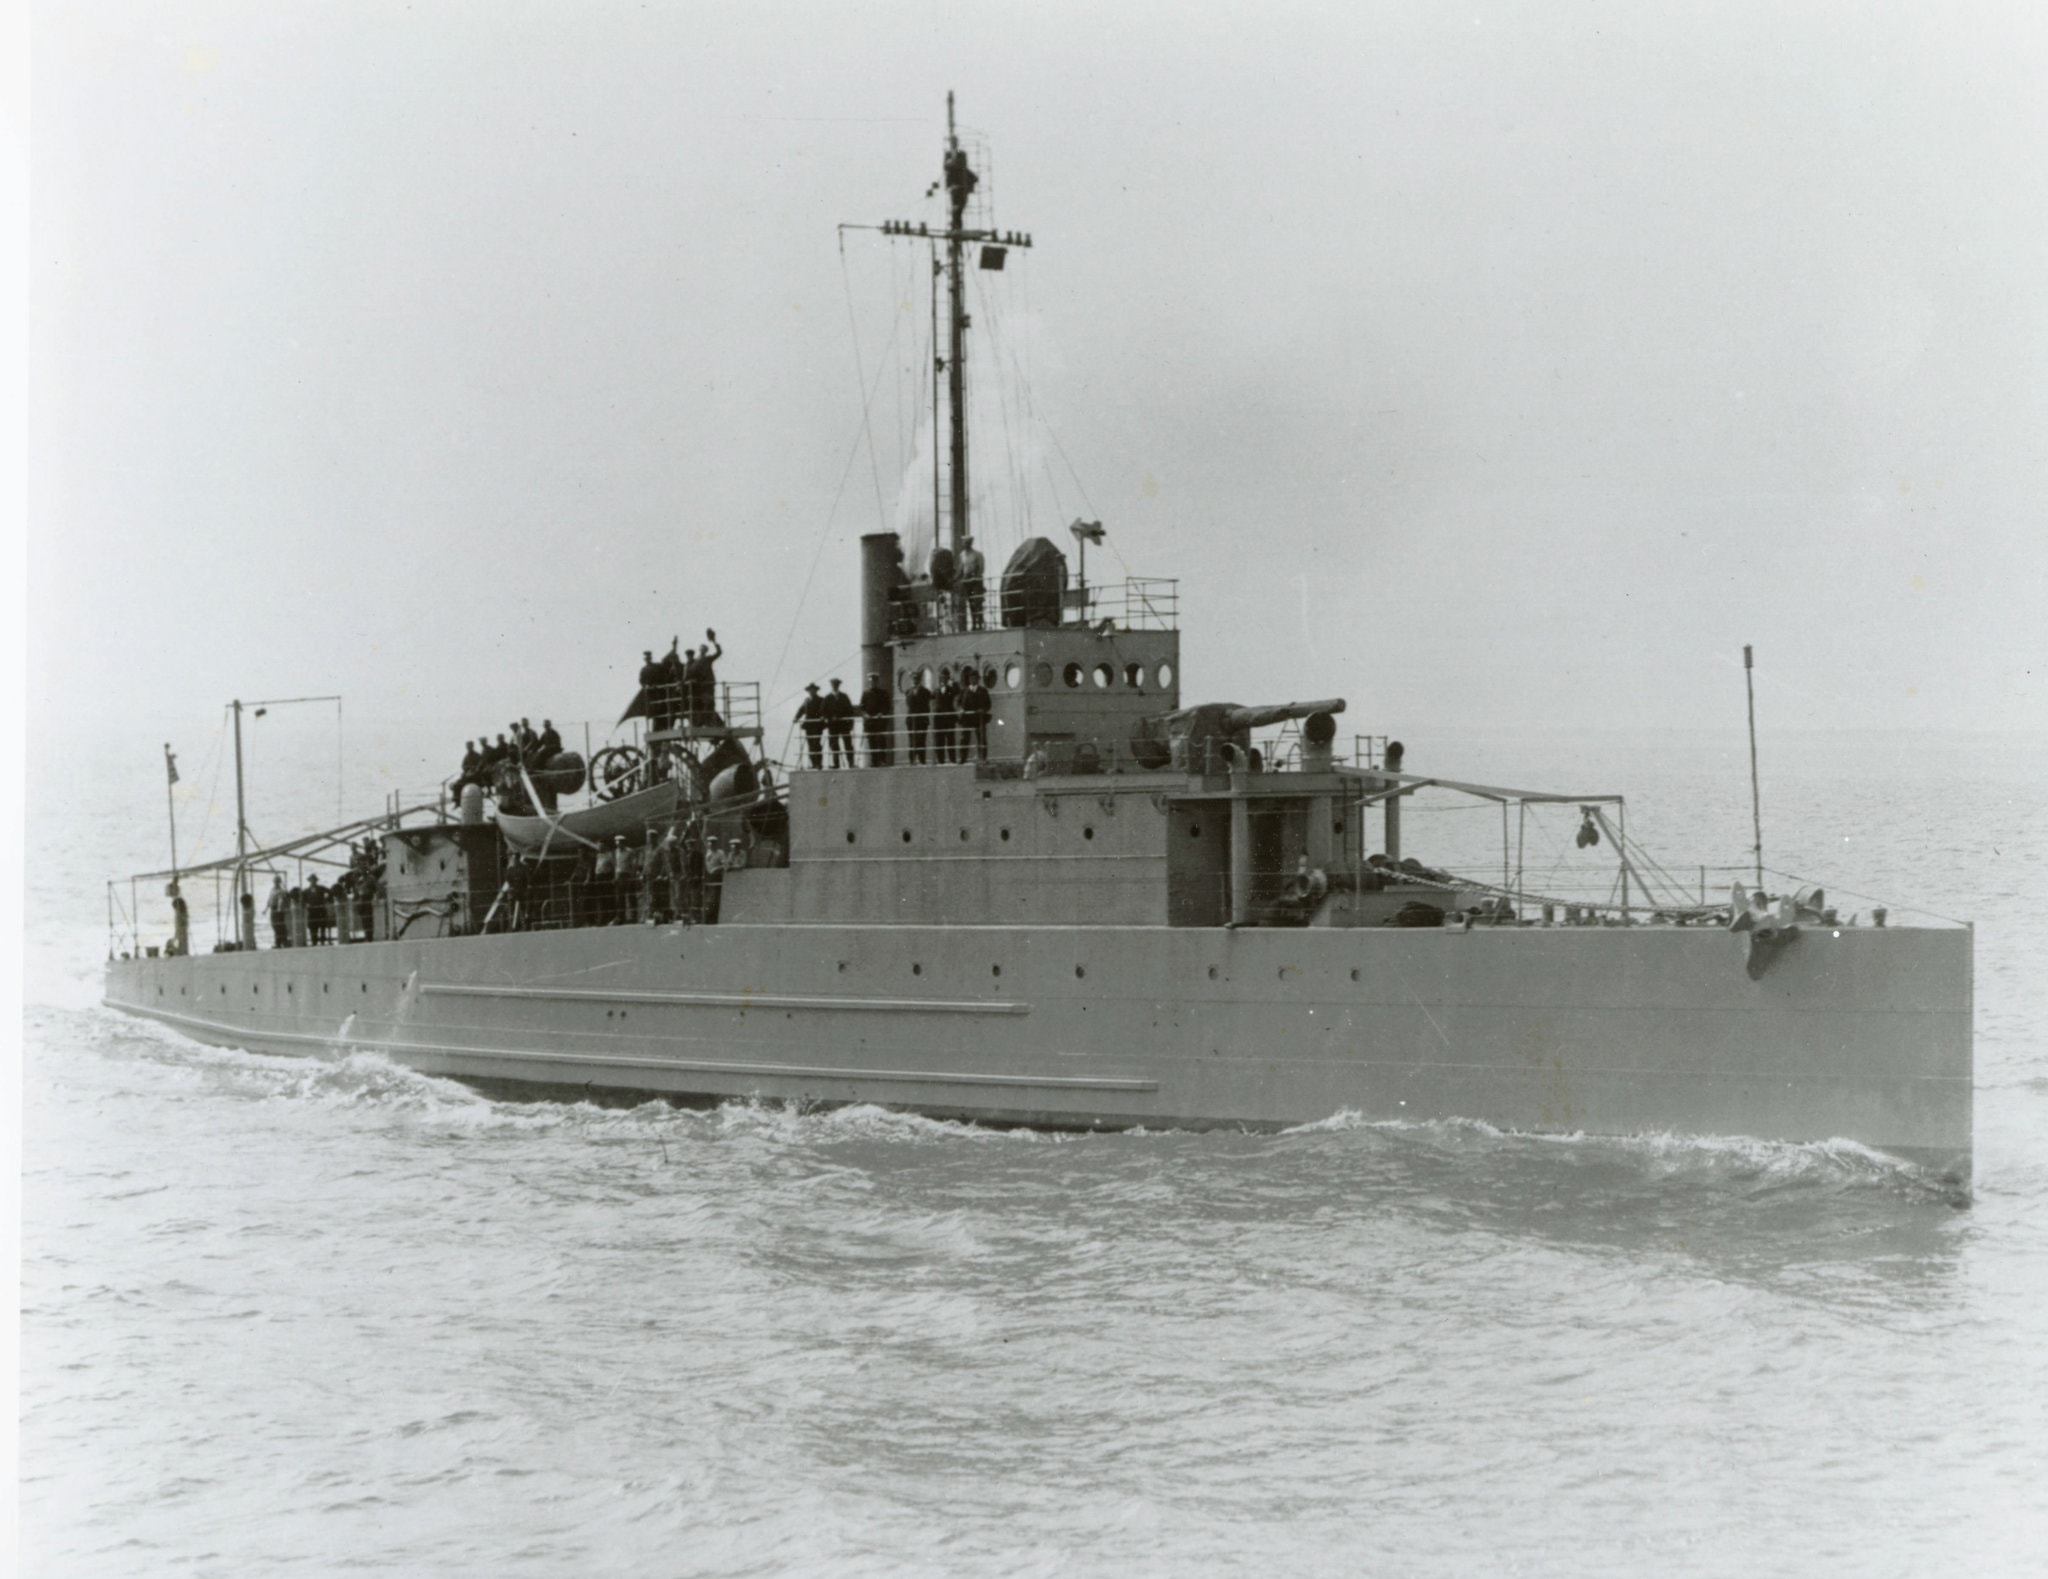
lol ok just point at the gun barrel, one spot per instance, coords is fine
(1242, 718)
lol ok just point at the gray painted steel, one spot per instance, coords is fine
(1857, 1033)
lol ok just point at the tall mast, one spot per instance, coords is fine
(959, 181)
(241, 806)
(960, 184)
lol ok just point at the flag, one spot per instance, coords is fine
(170, 762)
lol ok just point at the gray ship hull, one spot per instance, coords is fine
(1862, 1034)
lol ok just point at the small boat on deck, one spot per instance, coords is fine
(594, 825)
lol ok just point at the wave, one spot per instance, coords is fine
(1670, 1154)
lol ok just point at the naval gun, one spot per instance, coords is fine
(1196, 737)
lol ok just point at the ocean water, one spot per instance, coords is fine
(323, 1315)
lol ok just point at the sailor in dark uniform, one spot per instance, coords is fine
(813, 718)
(878, 720)
(702, 682)
(472, 760)
(550, 739)
(651, 695)
(946, 718)
(975, 706)
(839, 714)
(917, 713)
(673, 688)
(318, 916)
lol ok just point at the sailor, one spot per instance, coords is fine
(878, 720)
(917, 713)
(702, 683)
(472, 760)
(971, 584)
(181, 924)
(279, 936)
(651, 690)
(517, 883)
(318, 915)
(658, 881)
(946, 719)
(550, 739)
(603, 890)
(839, 715)
(625, 881)
(975, 706)
(671, 686)
(901, 621)
(813, 717)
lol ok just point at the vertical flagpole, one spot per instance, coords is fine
(1756, 815)
(171, 804)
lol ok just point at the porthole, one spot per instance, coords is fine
(916, 970)
(963, 835)
(906, 682)
(254, 988)
(223, 989)
(1134, 676)
(1212, 972)
(931, 679)
(1354, 975)
(1166, 677)
(1080, 971)
(1087, 833)
(1104, 676)
(988, 675)
(1072, 675)
(842, 967)
(1041, 674)
(1194, 830)
(323, 986)
(366, 986)
(1013, 676)
(995, 970)
(849, 836)
(1005, 835)
(906, 836)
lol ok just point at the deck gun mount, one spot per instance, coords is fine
(1217, 735)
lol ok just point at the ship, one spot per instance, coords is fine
(1035, 885)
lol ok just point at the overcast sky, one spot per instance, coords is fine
(1489, 365)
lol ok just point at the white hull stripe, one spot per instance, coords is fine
(226, 1027)
(731, 1000)
(690, 1066)
(765, 1071)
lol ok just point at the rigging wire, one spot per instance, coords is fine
(824, 534)
(861, 378)
(213, 788)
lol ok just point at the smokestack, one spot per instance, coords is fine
(880, 553)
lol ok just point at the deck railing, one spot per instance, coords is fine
(1140, 603)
